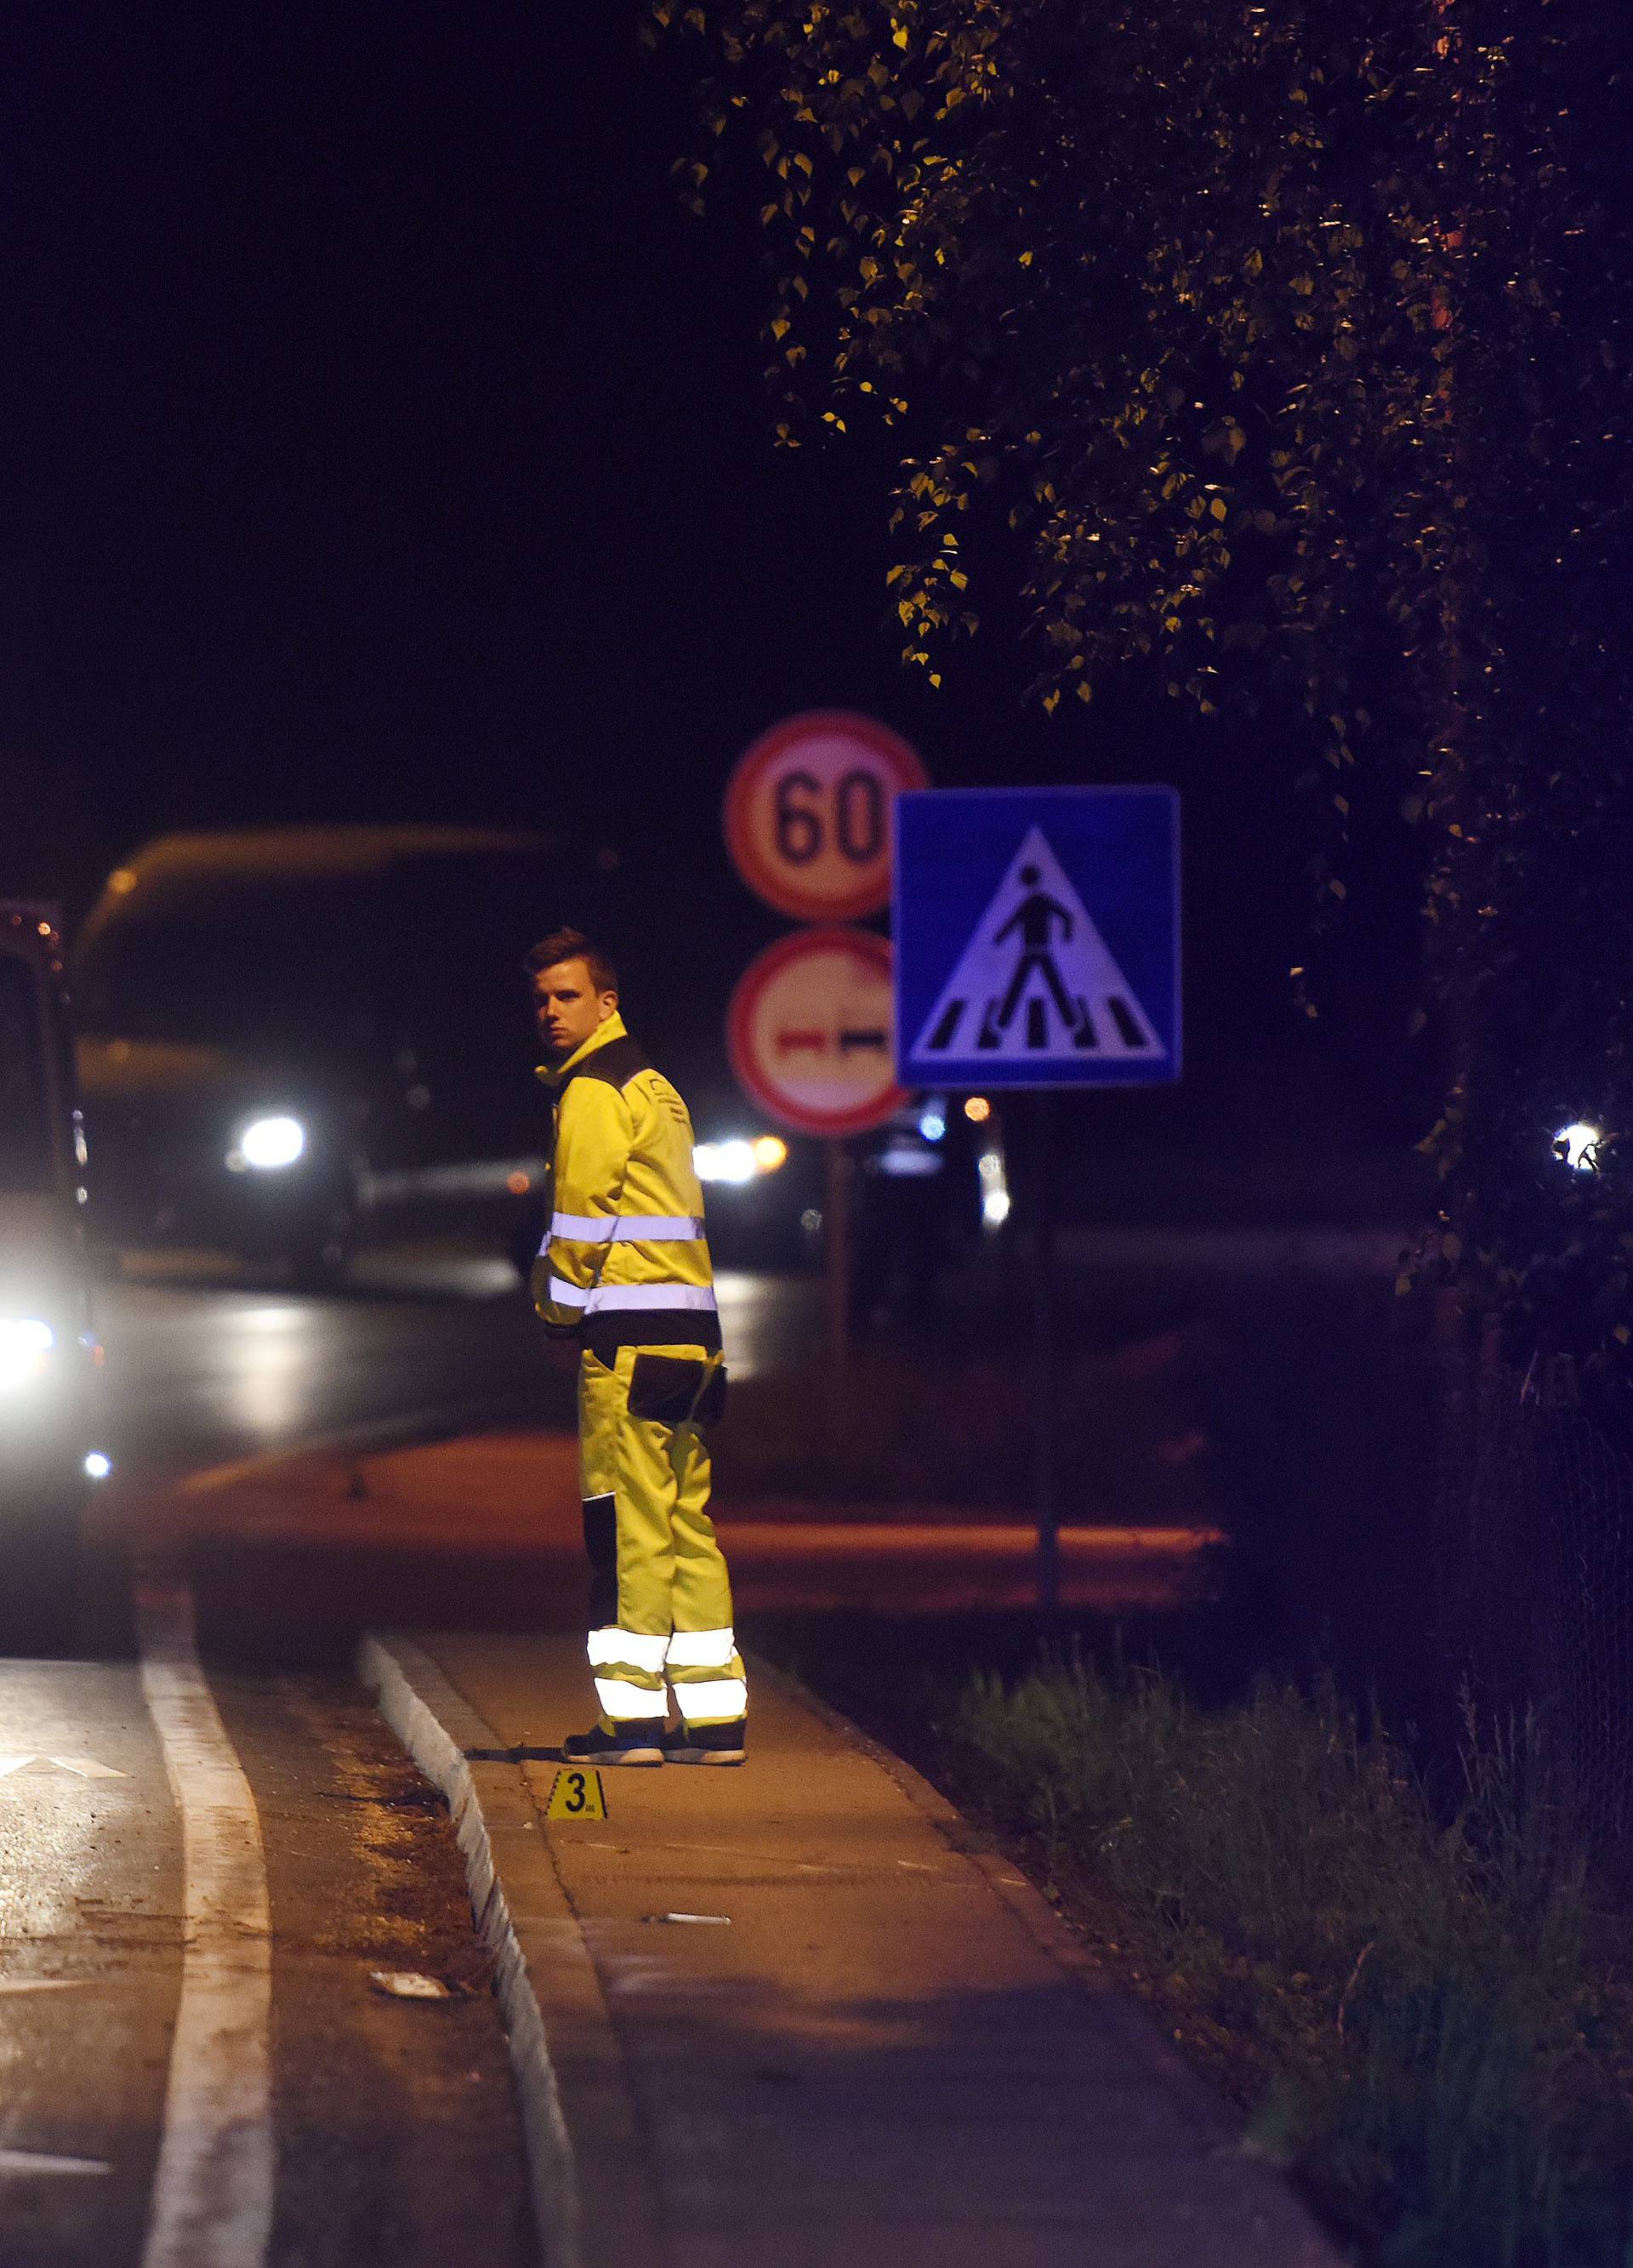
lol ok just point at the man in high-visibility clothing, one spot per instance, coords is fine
(624, 1272)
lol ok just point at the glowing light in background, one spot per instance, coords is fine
(725, 1161)
(1578, 1145)
(25, 1343)
(771, 1152)
(271, 1142)
(977, 1107)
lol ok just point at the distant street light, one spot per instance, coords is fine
(1577, 1146)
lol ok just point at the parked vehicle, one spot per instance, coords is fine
(48, 1353)
(286, 1031)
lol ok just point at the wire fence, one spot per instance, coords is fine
(1582, 1673)
(1533, 1566)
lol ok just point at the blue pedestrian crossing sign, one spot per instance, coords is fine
(1038, 936)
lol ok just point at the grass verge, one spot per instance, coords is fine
(1424, 2018)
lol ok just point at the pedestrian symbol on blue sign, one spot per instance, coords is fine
(1037, 979)
(1037, 937)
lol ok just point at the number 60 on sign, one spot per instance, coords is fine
(808, 814)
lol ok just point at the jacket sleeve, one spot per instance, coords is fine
(594, 1133)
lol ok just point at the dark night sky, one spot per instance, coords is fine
(380, 438)
(381, 434)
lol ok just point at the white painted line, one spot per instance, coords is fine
(212, 2192)
(42, 1984)
(41, 2162)
(83, 1767)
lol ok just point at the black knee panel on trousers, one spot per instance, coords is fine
(601, 1544)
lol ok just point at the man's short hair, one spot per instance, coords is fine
(573, 945)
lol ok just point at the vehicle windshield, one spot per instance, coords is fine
(26, 1156)
(272, 982)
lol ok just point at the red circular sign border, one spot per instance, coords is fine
(902, 757)
(745, 993)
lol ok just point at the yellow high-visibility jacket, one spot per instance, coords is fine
(625, 1261)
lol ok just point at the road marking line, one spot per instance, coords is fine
(213, 2189)
(42, 1984)
(83, 1767)
(41, 2162)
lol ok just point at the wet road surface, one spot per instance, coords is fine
(205, 1365)
(385, 2128)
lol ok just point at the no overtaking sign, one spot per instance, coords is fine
(810, 1032)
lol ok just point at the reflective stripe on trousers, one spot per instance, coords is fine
(632, 1669)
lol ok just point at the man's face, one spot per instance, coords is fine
(568, 1006)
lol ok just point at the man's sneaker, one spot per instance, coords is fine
(707, 1744)
(637, 1742)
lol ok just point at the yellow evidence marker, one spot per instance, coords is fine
(577, 1795)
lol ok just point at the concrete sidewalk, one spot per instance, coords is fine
(795, 2016)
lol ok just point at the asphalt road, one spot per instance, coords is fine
(199, 2065)
(210, 1883)
(388, 2123)
(207, 1366)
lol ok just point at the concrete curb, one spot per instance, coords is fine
(435, 1724)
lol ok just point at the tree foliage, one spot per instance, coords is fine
(1280, 346)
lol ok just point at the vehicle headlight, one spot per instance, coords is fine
(995, 1197)
(267, 1143)
(738, 1160)
(25, 1343)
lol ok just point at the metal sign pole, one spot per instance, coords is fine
(837, 1243)
(1038, 946)
(1040, 1253)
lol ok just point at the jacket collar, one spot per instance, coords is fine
(558, 1074)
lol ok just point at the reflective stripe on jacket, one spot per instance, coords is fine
(625, 1261)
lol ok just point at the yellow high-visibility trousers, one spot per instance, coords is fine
(660, 1597)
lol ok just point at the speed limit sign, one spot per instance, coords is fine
(807, 814)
